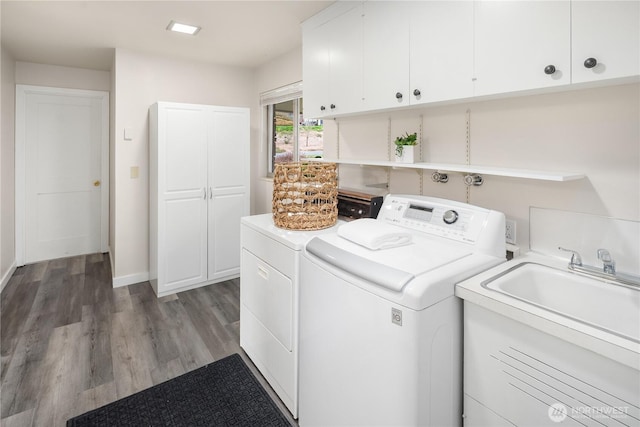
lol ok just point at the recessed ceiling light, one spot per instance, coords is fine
(183, 28)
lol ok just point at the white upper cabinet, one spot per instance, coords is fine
(416, 52)
(376, 55)
(385, 54)
(332, 62)
(315, 66)
(606, 40)
(521, 45)
(441, 50)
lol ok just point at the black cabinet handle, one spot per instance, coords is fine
(416, 92)
(549, 69)
(322, 108)
(398, 95)
(590, 62)
(332, 106)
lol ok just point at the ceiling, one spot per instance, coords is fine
(84, 33)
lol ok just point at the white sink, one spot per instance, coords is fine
(609, 307)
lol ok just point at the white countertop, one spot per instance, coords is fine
(597, 340)
(294, 239)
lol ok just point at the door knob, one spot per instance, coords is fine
(96, 183)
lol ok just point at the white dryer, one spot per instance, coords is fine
(269, 301)
(380, 330)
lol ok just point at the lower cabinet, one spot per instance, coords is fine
(518, 375)
(199, 190)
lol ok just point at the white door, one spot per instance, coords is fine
(182, 160)
(441, 50)
(515, 42)
(385, 56)
(61, 172)
(228, 188)
(345, 62)
(608, 32)
(315, 66)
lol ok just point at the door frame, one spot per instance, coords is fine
(20, 160)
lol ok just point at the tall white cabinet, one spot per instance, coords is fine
(199, 190)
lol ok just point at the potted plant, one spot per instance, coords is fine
(405, 147)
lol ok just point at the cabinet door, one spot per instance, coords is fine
(182, 207)
(315, 71)
(345, 62)
(385, 55)
(441, 50)
(609, 32)
(516, 40)
(229, 175)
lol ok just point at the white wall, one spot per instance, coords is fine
(66, 77)
(282, 71)
(140, 81)
(593, 131)
(7, 170)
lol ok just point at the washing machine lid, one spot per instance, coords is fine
(390, 268)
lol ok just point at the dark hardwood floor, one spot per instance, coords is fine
(71, 343)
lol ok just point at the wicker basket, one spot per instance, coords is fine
(305, 195)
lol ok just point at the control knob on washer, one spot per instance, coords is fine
(450, 216)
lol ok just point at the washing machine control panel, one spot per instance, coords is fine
(444, 218)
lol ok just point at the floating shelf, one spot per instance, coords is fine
(483, 170)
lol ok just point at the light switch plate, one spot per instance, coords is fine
(128, 134)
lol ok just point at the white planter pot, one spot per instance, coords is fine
(409, 154)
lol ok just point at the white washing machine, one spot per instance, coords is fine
(269, 272)
(381, 330)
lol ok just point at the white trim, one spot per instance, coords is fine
(281, 94)
(20, 160)
(196, 285)
(7, 276)
(112, 264)
(130, 279)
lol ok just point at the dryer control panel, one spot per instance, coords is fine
(445, 218)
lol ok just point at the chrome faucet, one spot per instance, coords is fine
(576, 259)
(607, 272)
(609, 266)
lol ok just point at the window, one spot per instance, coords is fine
(290, 136)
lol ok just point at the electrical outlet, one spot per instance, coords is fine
(510, 231)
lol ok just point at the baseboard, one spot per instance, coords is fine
(196, 285)
(8, 274)
(130, 279)
(118, 282)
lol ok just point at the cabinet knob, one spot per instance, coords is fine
(416, 92)
(332, 106)
(398, 95)
(590, 62)
(549, 69)
(322, 108)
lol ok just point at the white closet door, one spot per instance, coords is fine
(60, 136)
(229, 160)
(182, 215)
